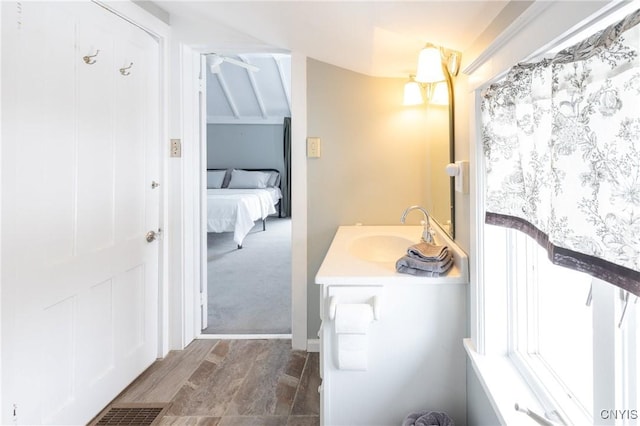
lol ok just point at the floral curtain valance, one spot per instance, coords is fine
(561, 139)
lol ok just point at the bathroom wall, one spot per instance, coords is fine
(479, 409)
(374, 164)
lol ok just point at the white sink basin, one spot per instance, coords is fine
(366, 255)
(380, 248)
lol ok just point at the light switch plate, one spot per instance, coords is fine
(313, 147)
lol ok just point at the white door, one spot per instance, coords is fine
(79, 154)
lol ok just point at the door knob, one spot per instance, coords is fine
(152, 235)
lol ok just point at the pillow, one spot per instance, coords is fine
(246, 179)
(227, 178)
(273, 179)
(215, 178)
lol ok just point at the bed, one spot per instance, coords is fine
(237, 198)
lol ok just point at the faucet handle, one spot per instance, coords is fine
(427, 232)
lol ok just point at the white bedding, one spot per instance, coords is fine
(236, 210)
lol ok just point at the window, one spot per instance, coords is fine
(534, 339)
(552, 325)
(563, 335)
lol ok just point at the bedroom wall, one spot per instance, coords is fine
(252, 146)
(374, 160)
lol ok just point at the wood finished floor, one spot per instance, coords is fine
(233, 383)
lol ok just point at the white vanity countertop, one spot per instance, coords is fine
(366, 255)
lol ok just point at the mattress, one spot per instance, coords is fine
(236, 210)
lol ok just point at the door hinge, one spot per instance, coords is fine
(201, 299)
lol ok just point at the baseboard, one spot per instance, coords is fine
(242, 336)
(313, 345)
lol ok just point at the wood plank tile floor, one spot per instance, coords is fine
(232, 383)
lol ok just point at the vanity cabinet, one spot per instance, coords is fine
(414, 352)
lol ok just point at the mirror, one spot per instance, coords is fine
(436, 67)
(440, 186)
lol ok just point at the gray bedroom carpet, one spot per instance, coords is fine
(249, 290)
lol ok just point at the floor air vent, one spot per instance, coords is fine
(131, 414)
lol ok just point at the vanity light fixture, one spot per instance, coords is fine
(439, 94)
(412, 92)
(430, 65)
(415, 93)
(436, 68)
(434, 62)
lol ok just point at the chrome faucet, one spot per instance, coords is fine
(427, 235)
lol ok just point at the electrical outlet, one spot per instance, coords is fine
(176, 148)
(313, 147)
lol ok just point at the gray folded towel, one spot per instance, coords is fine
(425, 260)
(423, 265)
(409, 265)
(428, 418)
(427, 251)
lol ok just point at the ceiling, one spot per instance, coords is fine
(237, 95)
(375, 38)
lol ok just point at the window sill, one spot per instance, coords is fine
(504, 387)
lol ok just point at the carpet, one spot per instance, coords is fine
(249, 289)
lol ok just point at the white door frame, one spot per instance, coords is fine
(204, 280)
(192, 160)
(1, 336)
(184, 215)
(299, 338)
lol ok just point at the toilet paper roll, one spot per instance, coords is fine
(352, 352)
(353, 317)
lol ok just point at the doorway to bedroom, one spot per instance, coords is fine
(247, 106)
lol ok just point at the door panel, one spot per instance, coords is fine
(129, 321)
(57, 359)
(93, 346)
(95, 135)
(80, 150)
